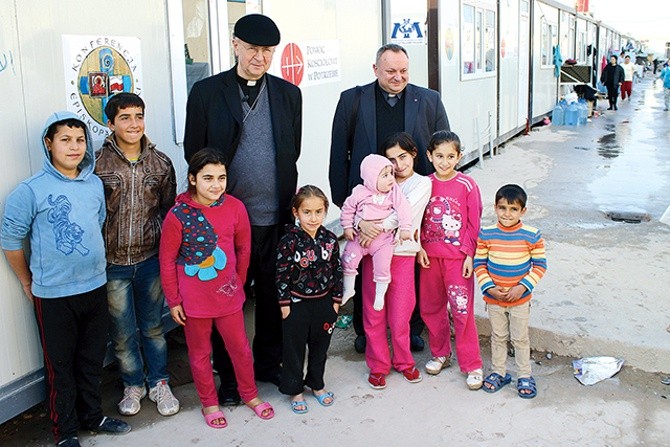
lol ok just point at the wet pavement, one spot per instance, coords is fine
(605, 289)
(604, 294)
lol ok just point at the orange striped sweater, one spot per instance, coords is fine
(507, 256)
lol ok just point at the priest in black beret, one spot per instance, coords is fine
(257, 29)
(255, 120)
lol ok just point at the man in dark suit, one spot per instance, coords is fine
(364, 118)
(255, 119)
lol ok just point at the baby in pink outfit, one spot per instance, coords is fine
(376, 199)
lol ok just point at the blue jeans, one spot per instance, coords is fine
(135, 300)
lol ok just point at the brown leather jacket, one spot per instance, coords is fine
(138, 196)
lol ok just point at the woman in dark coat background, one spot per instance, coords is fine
(612, 78)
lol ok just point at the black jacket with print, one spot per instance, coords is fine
(308, 267)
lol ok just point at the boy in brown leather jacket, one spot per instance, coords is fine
(140, 188)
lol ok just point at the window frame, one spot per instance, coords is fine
(549, 39)
(219, 50)
(478, 37)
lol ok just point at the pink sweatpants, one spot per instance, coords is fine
(397, 311)
(381, 250)
(231, 328)
(443, 282)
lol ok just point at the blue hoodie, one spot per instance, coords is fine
(63, 218)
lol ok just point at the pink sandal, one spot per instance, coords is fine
(260, 408)
(211, 417)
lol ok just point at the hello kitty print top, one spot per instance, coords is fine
(452, 218)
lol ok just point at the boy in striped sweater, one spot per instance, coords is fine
(508, 263)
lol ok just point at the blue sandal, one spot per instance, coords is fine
(526, 384)
(322, 397)
(299, 403)
(495, 382)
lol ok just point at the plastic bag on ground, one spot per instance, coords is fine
(590, 370)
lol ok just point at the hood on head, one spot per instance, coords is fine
(87, 165)
(371, 167)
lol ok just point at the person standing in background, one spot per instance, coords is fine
(612, 77)
(627, 85)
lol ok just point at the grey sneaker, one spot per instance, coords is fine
(130, 404)
(166, 403)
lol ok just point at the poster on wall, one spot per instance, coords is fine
(408, 22)
(450, 35)
(408, 29)
(309, 63)
(97, 68)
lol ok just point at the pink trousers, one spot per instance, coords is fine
(381, 250)
(231, 328)
(440, 284)
(397, 311)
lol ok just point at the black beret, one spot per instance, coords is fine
(257, 29)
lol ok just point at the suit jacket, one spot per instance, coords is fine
(424, 115)
(214, 119)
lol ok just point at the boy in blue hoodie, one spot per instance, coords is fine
(61, 210)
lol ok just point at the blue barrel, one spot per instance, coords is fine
(572, 115)
(583, 112)
(558, 115)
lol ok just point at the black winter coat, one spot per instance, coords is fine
(612, 75)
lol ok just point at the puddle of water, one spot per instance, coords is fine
(609, 145)
(609, 153)
(630, 172)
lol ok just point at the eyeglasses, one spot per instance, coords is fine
(253, 50)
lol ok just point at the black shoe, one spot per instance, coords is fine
(609, 108)
(360, 343)
(616, 108)
(416, 343)
(229, 397)
(272, 378)
(72, 441)
(111, 426)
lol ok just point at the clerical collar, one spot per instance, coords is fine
(248, 83)
(250, 89)
(388, 95)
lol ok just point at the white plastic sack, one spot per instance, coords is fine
(571, 97)
(590, 370)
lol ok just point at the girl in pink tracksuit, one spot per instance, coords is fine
(374, 200)
(401, 150)
(449, 231)
(204, 255)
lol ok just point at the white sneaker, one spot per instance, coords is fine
(436, 364)
(475, 379)
(166, 403)
(130, 404)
